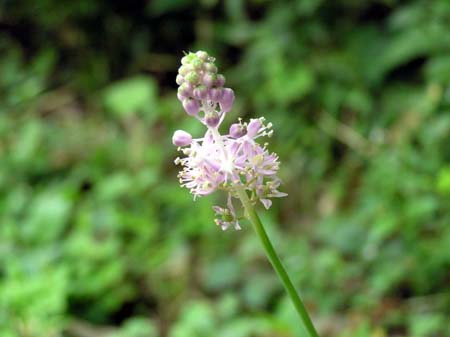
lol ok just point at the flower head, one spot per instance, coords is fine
(226, 162)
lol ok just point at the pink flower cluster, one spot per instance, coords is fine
(216, 161)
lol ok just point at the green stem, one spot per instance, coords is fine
(275, 261)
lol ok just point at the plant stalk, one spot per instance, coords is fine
(275, 261)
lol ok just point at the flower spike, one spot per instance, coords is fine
(226, 162)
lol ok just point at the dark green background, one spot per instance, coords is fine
(96, 237)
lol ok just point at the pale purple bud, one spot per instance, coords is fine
(191, 106)
(179, 79)
(228, 95)
(181, 97)
(212, 120)
(208, 79)
(185, 90)
(253, 127)
(237, 130)
(227, 99)
(181, 138)
(201, 92)
(220, 80)
(215, 94)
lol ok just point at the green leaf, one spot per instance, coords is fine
(137, 327)
(443, 181)
(438, 69)
(289, 83)
(130, 96)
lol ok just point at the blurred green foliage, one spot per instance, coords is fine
(96, 237)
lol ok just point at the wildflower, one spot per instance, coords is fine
(222, 162)
(234, 162)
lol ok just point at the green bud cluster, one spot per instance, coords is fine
(197, 71)
(201, 87)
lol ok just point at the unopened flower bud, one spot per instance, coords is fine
(208, 79)
(215, 94)
(180, 96)
(210, 67)
(179, 79)
(181, 138)
(220, 80)
(227, 99)
(185, 90)
(237, 130)
(253, 127)
(191, 106)
(201, 92)
(185, 60)
(212, 120)
(188, 58)
(183, 70)
(197, 63)
(202, 55)
(192, 77)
